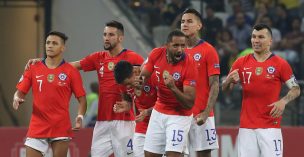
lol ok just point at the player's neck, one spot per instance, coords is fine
(115, 51)
(261, 57)
(53, 62)
(192, 41)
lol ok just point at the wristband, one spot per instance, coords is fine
(80, 116)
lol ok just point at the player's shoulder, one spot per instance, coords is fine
(158, 51)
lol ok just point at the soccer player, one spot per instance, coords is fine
(52, 81)
(175, 79)
(113, 132)
(144, 101)
(261, 76)
(202, 132)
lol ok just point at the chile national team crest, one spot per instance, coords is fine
(197, 56)
(270, 70)
(62, 76)
(147, 88)
(176, 76)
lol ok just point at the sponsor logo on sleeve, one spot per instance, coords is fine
(216, 65)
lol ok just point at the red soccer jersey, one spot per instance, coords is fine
(183, 74)
(261, 82)
(207, 63)
(109, 91)
(52, 90)
(144, 100)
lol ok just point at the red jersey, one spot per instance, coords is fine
(261, 82)
(207, 63)
(109, 91)
(52, 90)
(145, 100)
(183, 74)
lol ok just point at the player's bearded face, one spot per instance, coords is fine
(111, 38)
(54, 46)
(175, 49)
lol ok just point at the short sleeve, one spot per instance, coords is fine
(25, 82)
(88, 63)
(190, 74)
(213, 63)
(285, 71)
(150, 61)
(76, 83)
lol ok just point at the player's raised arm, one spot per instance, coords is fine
(76, 65)
(18, 99)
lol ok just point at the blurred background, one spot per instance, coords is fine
(227, 26)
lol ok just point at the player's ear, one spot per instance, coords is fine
(120, 38)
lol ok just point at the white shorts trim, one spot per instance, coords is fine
(260, 142)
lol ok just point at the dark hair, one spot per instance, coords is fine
(59, 34)
(194, 12)
(122, 71)
(116, 24)
(94, 87)
(261, 26)
(175, 33)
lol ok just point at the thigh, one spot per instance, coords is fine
(60, 148)
(155, 141)
(177, 129)
(101, 141)
(247, 143)
(32, 152)
(122, 137)
(36, 145)
(203, 137)
(138, 144)
(270, 142)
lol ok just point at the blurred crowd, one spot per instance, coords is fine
(228, 23)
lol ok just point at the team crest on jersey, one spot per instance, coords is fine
(50, 77)
(21, 78)
(258, 70)
(111, 66)
(147, 88)
(197, 56)
(176, 76)
(165, 74)
(62, 76)
(271, 70)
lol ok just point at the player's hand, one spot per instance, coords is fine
(32, 62)
(78, 125)
(233, 77)
(169, 82)
(142, 115)
(201, 118)
(277, 108)
(16, 102)
(121, 106)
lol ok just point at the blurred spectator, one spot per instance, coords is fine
(92, 106)
(173, 9)
(240, 30)
(212, 25)
(281, 19)
(237, 8)
(292, 7)
(217, 5)
(227, 49)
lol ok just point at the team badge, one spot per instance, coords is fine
(62, 76)
(258, 70)
(111, 66)
(50, 77)
(147, 88)
(197, 56)
(165, 74)
(176, 76)
(271, 70)
(21, 78)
